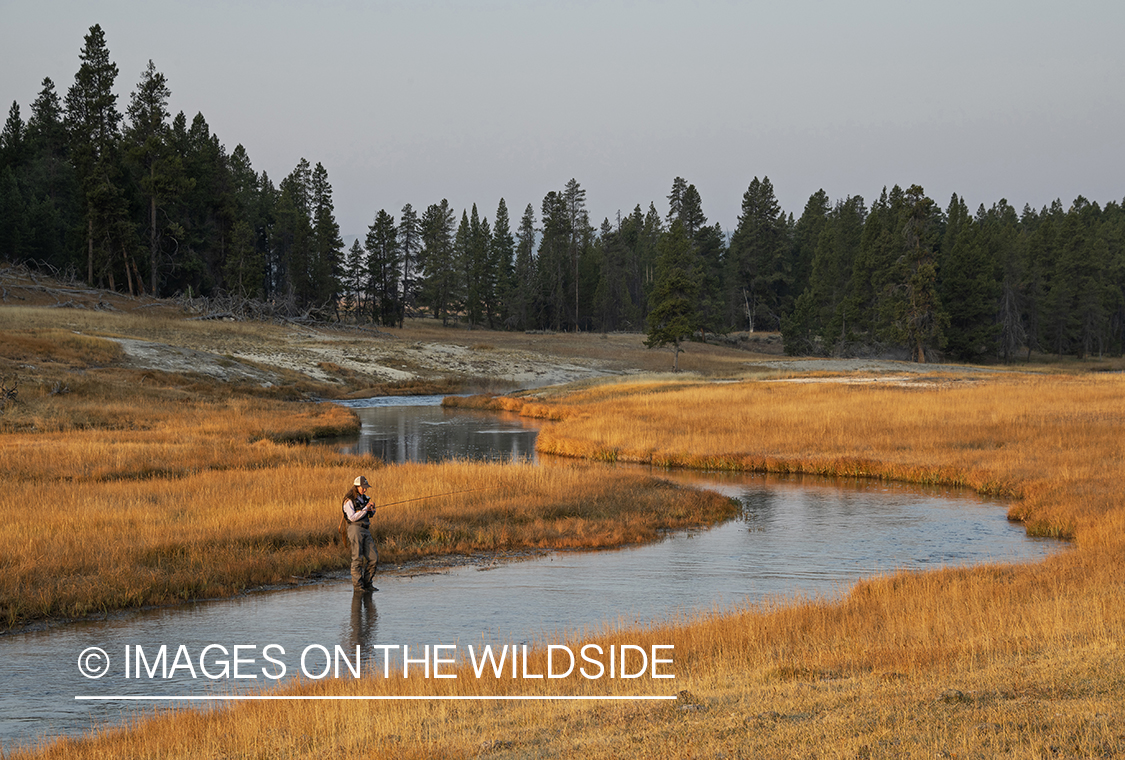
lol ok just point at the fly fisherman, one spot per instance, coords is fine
(365, 555)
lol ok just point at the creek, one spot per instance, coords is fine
(795, 537)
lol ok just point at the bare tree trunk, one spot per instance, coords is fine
(90, 249)
(128, 274)
(152, 243)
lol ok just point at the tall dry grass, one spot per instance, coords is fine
(1003, 661)
(1053, 443)
(125, 488)
(210, 504)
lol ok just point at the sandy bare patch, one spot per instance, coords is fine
(322, 357)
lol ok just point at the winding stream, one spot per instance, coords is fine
(795, 537)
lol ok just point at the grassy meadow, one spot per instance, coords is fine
(151, 472)
(155, 480)
(994, 661)
(179, 497)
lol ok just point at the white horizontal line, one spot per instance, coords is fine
(238, 697)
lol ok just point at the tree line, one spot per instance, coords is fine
(143, 202)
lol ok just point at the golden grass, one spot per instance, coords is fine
(160, 476)
(1012, 662)
(1052, 442)
(57, 346)
(138, 541)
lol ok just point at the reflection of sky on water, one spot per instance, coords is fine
(394, 432)
(795, 537)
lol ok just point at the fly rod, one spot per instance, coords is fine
(372, 510)
(431, 496)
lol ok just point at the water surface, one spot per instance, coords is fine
(419, 429)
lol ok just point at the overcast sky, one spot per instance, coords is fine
(412, 102)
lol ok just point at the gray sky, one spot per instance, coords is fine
(412, 102)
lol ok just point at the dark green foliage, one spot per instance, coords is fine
(355, 277)
(438, 262)
(158, 171)
(93, 123)
(674, 317)
(819, 318)
(12, 215)
(12, 138)
(410, 242)
(760, 274)
(612, 300)
(384, 263)
(806, 235)
(969, 285)
(244, 265)
(328, 246)
(911, 309)
(501, 264)
(556, 280)
(473, 245)
(521, 298)
(142, 203)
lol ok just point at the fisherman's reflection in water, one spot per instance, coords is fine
(361, 632)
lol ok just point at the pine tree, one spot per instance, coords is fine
(673, 315)
(473, 243)
(611, 298)
(880, 247)
(967, 282)
(760, 274)
(438, 262)
(553, 265)
(13, 211)
(384, 263)
(93, 122)
(711, 251)
(691, 212)
(355, 269)
(1082, 264)
(819, 318)
(243, 264)
(463, 265)
(55, 200)
(1113, 232)
(12, 138)
(501, 252)
(806, 234)
(266, 205)
(410, 243)
(648, 238)
(252, 200)
(676, 199)
(160, 171)
(522, 298)
(1013, 297)
(916, 316)
(202, 213)
(293, 234)
(579, 234)
(328, 246)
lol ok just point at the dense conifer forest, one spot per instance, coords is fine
(145, 202)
